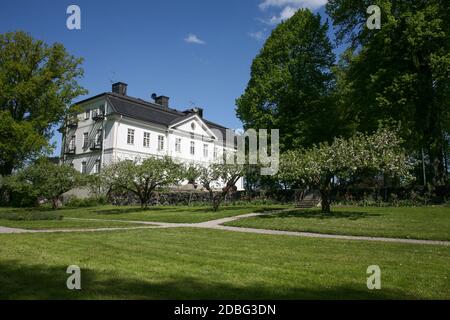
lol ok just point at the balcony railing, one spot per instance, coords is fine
(98, 115)
(71, 149)
(72, 123)
(95, 144)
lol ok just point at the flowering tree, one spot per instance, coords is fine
(142, 179)
(45, 180)
(380, 152)
(216, 173)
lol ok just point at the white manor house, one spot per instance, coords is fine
(113, 126)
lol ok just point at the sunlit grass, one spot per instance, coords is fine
(184, 263)
(431, 222)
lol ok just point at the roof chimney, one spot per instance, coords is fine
(120, 88)
(198, 111)
(161, 100)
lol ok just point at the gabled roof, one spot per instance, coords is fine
(147, 111)
(142, 110)
(195, 116)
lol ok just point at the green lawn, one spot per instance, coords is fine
(210, 264)
(64, 224)
(181, 214)
(419, 222)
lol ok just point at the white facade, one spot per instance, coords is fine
(99, 138)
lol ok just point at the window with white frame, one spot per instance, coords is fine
(205, 150)
(192, 147)
(147, 139)
(215, 153)
(84, 167)
(178, 145)
(130, 136)
(98, 137)
(72, 142)
(160, 143)
(97, 166)
(85, 139)
(87, 114)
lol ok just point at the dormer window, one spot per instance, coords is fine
(87, 114)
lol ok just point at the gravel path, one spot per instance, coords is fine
(218, 225)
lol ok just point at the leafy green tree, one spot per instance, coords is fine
(142, 179)
(399, 73)
(291, 84)
(18, 141)
(45, 180)
(344, 158)
(192, 173)
(37, 83)
(220, 174)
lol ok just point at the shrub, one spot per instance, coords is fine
(21, 199)
(88, 202)
(380, 203)
(30, 215)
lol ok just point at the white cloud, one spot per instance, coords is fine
(289, 8)
(192, 38)
(259, 35)
(285, 14)
(310, 4)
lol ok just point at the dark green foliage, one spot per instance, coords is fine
(400, 73)
(37, 83)
(291, 84)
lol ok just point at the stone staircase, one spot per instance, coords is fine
(310, 200)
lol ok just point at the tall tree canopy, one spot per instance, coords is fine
(37, 84)
(291, 84)
(400, 72)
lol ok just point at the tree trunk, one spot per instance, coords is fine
(437, 161)
(326, 208)
(216, 204)
(430, 115)
(325, 193)
(439, 179)
(55, 203)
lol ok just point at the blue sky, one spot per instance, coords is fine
(196, 52)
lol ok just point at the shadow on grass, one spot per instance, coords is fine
(314, 214)
(42, 282)
(183, 209)
(35, 209)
